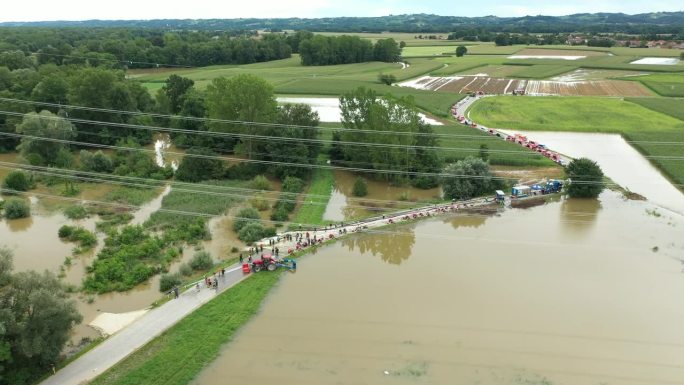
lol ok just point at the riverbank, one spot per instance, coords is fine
(171, 349)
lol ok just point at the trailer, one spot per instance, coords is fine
(520, 191)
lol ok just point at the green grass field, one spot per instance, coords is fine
(608, 115)
(670, 106)
(428, 50)
(671, 85)
(180, 353)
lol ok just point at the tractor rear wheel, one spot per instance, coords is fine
(257, 268)
(271, 267)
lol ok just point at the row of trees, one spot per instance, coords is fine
(116, 48)
(327, 50)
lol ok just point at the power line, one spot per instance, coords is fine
(265, 124)
(265, 137)
(146, 183)
(267, 162)
(112, 60)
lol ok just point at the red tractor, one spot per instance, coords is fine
(267, 262)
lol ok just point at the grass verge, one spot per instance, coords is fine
(178, 354)
(312, 209)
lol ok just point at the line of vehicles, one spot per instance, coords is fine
(515, 138)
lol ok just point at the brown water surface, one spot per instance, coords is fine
(568, 293)
(344, 206)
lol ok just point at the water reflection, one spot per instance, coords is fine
(579, 215)
(17, 225)
(472, 220)
(394, 246)
(344, 206)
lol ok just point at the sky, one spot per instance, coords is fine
(41, 10)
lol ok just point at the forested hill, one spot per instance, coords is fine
(598, 22)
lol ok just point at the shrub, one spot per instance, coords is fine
(260, 183)
(293, 184)
(168, 282)
(251, 232)
(467, 178)
(75, 212)
(65, 231)
(360, 187)
(280, 215)
(17, 180)
(16, 208)
(83, 237)
(97, 162)
(259, 203)
(201, 261)
(461, 50)
(245, 216)
(387, 79)
(185, 270)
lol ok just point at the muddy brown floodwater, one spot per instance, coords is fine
(571, 292)
(344, 206)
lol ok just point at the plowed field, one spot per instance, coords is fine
(498, 86)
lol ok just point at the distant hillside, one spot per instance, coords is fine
(661, 22)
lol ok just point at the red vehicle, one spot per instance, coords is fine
(267, 262)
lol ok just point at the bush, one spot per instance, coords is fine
(461, 50)
(97, 162)
(280, 215)
(185, 270)
(168, 282)
(75, 212)
(17, 180)
(245, 216)
(201, 261)
(260, 183)
(468, 178)
(83, 237)
(259, 203)
(293, 184)
(387, 79)
(360, 187)
(65, 231)
(251, 232)
(16, 208)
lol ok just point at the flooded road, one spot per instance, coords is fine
(619, 161)
(567, 293)
(343, 205)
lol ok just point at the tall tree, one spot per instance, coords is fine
(586, 178)
(301, 122)
(44, 125)
(244, 98)
(36, 317)
(175, 89)
(363, 111)
(467, 178)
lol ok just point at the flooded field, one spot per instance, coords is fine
(619, 161)
(344, 206)
(569, 293)
(328, 109)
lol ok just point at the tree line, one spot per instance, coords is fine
(659, 22)
(117, 48)
(327, 50)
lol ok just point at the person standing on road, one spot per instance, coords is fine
(241, 259)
